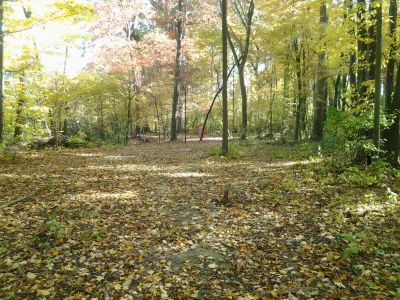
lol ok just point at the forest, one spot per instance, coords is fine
(199, 149)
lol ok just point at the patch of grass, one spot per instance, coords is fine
(281, 154)
(289, 185)
(4, 246)
(8, 154)
(97, 234)
(236, 151)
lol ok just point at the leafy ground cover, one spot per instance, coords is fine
(150, 222)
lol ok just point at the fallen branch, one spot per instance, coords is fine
(17, 201)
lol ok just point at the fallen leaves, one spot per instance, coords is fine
(148, 225)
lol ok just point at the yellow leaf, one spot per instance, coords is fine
(31, 276)
(43, 292)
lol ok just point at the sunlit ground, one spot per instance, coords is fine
(150, 219)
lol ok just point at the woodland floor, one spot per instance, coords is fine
(147, 222)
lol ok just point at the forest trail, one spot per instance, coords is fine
(146, 221)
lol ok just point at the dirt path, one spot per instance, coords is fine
(146, 222)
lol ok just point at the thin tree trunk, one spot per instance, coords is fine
(19, 121)
(212, 105)
(129, 119)
(271, 103)
(337, 96)
(378, 74)
(243, 92)
(233, 104)
(286, 79)
(1, 73)
(225, 137)
(185, 114)
(297, 130)
(343, 102)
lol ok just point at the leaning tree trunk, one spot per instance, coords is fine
(178, 65)
(321, 96)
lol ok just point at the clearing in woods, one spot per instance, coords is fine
(148, 221)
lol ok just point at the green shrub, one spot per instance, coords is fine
(51, 233)
(77, 141)
(356, 176)
(352, 246)
(345, 134)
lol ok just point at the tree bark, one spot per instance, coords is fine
(1, 73)
(178, 65)
(378, 74)
(225, 136)
(392, 52)
(19, 120)
(321, 95)
(362, 62)
(247, 22)
(352, 61)
(301, 108)
(372, 45)
(394, 141)
(392, 103)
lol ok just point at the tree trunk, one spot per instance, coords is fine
(338, 91)
(378, 74)
(225, 137)
(392, 103)
(393, 142)
(392, 52)
(247, 21)
(178, 65)
(372, 45)
(243, 92)
(19, 120)
(271, 105)
(343, 102)
(297, 130)
(362, 63)
(352, 63)
(321, 95)
(1, 74)
(129, 119)
(286, 79)
(179, 124)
